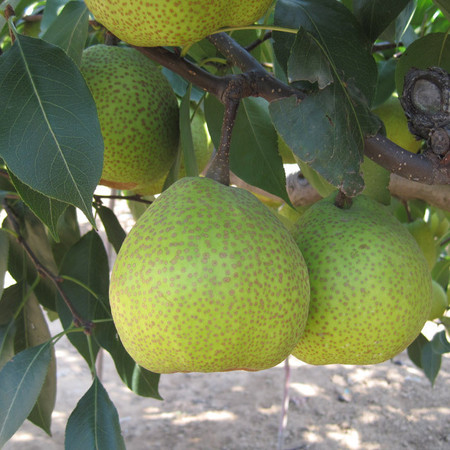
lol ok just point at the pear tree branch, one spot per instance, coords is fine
(256, 81)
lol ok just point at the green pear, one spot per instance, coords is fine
(370, 283)
(439, 301)
(203, 149)
(173, 22)
(424, 237)
(138, 113)
(209, 280)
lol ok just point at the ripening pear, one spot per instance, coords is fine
(138, 114)
(173, 22)
(203, 149)
(370, 283)
(209, 280)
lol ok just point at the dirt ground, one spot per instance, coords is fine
(388, 406)
(385, 406)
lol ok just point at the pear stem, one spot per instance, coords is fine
(219, 170)
(342, 201)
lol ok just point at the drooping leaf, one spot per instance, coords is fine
(52, 8)
(69, 30)
(114, 231)
(47, 209)
(254, 153)
(49, 131)
(431, 50)
(440, 344)
(186, 142)
(141, 381)
(21, 381)
(376, 15)
(431, 362)
(34, 331)
(325, 134)
(340, 45)
(4, 250)
(317, 69)
(94, 423)
(415, 350)
(20, 265)
(86, 262)
(441, 271)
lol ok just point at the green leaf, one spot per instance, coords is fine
(386, 81)
(376, 15)
(415, 350)
(441, 271)
(430, 361)
(310, 63)
(50, 136)
(187, 145)
(141, 381)
(323, 133)
(51, 10)
(20, 265)
(440, 344)
(21, 381)
(444, 6)
(94, 423)
(114, 230)
(4, 250)
(254, 153)
(337, 35)
(86, 262)
(35, 332)
(70, 30)
(46, 208)
(431, 50)
(7, 333)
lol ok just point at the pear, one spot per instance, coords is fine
(209, 280)
(203, 149)
(439, 302)
(173, 22)
(138, 113)
(370, 283)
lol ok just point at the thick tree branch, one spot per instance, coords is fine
(397, 160)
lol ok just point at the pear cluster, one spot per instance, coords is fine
(209, 279)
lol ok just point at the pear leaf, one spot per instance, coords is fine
(94, 423)
(50, 136)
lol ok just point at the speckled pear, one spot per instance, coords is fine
(173, 22)
(370, 283)
(138, 113)
(209, 280)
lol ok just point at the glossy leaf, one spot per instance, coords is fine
(7, 333)
(431, 50)
(186, 142)
(415, 350)
(87, 262)
(340, 45)
(141, 381)
(440, 344)
(51, 12)
(114, 231)
(376, 15)
(47, 209)
(441, 271)
(4, 250)
(21, 381)
(254, 153)
(431, 362)
(444, 6)
(94, 423)
(69, 30)
(49, 131)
